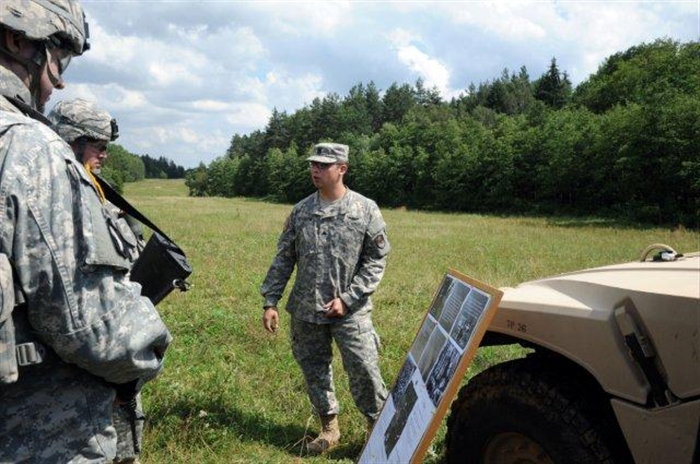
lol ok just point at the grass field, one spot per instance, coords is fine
(231, 393)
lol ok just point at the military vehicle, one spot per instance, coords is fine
(612, 374)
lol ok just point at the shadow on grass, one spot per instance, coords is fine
(212, 421)
(598, 223)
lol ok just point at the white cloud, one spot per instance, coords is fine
(288, 92)
(183, 77)
(168, 73)
(432, 71)
(248, 115)
(307, 18)
(511, 21)
(112, 97)
(210, 105)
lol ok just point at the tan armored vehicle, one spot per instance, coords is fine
(614, 375)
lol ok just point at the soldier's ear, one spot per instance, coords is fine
(12, 41)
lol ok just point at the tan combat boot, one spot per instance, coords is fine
(329, 436)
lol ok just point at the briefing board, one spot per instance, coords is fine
(447, 340)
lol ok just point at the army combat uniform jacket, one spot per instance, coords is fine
(92, 328)
(339, 251)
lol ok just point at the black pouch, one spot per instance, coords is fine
(161, 268)
(162, 265)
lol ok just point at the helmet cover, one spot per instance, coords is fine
(77, 118)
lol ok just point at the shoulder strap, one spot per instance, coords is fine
(29, 111)
(119, 201)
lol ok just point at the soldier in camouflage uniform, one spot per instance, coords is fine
(78, 337)
(88, 129)
(337, 240)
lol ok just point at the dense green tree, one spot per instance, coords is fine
(288, 174)
(643, 74)
(162, 168)
(129, 165)
(626, 144)
(397, 101)
(354, 113)
(426, 96)
(554, 87)
(114, 178)
(196, 181)
(276, 133)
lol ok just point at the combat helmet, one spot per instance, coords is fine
(53, 25)
(59, 21)
(78, 118)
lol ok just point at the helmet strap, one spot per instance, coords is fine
(81, 143)
(33, 67)
(56, 81)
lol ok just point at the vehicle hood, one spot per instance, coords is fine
(596, 286)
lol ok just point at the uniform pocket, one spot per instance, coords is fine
(306, 242)
(103, 243)
(349, 233)
(366, 328)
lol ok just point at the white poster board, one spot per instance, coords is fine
(446, 342)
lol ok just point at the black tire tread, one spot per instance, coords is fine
(546, 386)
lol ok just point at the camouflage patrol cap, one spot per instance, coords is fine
(61, 20)
(330, 153)
(77, 118)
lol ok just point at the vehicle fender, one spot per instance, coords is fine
(585, 333)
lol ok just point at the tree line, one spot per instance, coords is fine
(123, 166)
(624, 143)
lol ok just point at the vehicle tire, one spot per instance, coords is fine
(532, 411)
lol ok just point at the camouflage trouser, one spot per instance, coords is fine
(122, 419)
(56, 413)
(359, 348)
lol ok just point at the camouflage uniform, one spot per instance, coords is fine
(81, 119)
(94, 334)
(340, 251)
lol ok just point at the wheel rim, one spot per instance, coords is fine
(514, 448)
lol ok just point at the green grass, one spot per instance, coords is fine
(230, 393)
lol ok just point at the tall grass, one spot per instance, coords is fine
(231, 393)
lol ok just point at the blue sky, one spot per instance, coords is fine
(182, 77)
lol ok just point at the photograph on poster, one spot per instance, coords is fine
(403, 380)
(452, 305)
(390, 442)
(472, 308)
(442, 372)
(404, 405)
(409, 418)
(432, 350)
(422, 338)
(441, 296)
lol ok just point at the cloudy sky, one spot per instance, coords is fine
(182, 77)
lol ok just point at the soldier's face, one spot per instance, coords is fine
(50, 76)
(39, 82)
(326, 175)
(95, 153)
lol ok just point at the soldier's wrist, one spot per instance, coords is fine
(266, 307)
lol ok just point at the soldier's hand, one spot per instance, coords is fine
(271, 319)
(335, 308)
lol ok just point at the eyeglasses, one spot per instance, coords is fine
(320, 166)
(64, 54)
(98, 147)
